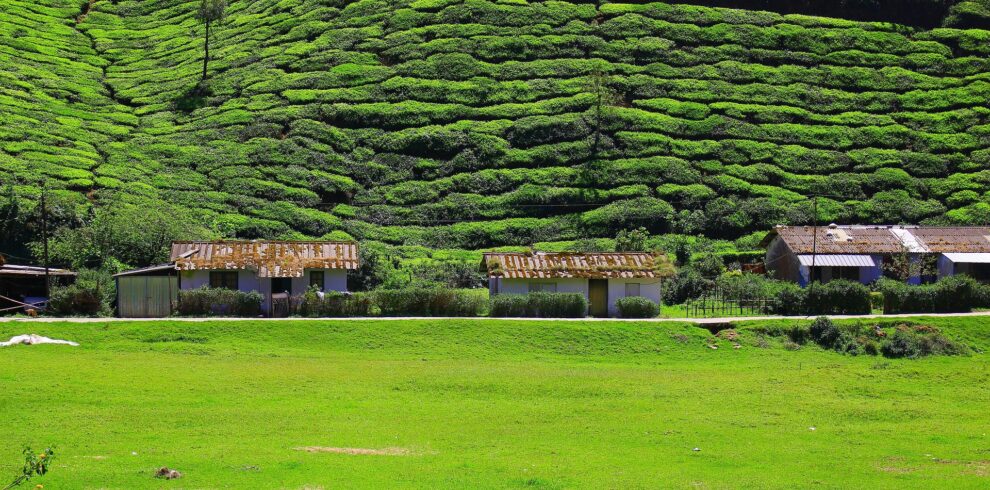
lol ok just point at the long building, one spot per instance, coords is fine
(864, 252)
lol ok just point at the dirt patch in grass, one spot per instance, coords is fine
(896, 465)
(387, 451)
(978, 468)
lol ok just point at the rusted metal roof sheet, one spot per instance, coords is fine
(268, 258)
(882, 239)
(839, 240)
(538, 265)
(961, 239)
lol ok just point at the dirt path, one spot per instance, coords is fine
(404, 318)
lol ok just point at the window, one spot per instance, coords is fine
(632, 289)
(223, 279)
(545, 287)
(316, 279)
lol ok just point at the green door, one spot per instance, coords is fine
(146, 296)
(598, 297)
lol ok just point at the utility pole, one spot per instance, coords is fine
(44, 238)
(814, 251)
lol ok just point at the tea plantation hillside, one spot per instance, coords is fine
(476, 123)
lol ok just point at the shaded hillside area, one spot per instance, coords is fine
(477, 123)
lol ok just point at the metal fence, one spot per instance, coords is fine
(717, 303)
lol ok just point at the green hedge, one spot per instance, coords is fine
(637, 307)
(428, 302)
(218, 302)
(950, 294)
(391, 302)
(540, 305)
(333, 304)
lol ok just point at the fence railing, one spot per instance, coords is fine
(716, 303)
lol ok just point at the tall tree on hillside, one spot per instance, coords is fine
(210, 11)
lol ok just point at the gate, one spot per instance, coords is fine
(146, 296)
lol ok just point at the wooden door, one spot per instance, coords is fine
(598, 297)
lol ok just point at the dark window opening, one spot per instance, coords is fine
(223, 279)
(316, 279)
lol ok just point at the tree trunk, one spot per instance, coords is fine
(206, 55)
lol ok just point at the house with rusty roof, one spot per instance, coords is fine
(274, 268)
(859, 252)
(278, 269)
(602, 278)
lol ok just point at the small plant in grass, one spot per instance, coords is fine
(34, 465)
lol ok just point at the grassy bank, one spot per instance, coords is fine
(470, 403)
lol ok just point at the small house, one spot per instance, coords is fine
(602, 278)
(22, 287)
(860, 252)
(277, 269)
(961, 250)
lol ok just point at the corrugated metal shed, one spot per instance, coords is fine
(268, 258)
(585, 265)
(959, 239)
(847, 260)
(968, 258)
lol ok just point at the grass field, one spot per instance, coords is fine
(472, 403)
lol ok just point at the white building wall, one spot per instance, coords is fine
(945, 267)
(564, 285)
(333, 280)
(648, 288)
(247, 280)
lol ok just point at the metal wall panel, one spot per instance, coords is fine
(146, 296)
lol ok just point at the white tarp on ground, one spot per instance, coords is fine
(32, 339)
(968, 258)
(837, 260)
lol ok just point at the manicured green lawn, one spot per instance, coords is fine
(474, 403)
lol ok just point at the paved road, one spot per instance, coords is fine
(658, 320)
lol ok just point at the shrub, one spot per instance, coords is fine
(332, 304)
(687, 284)
(428, 302)
(539, 305)
(218, 301)
(637, 307)
(839, 297)
(824, 332)
(789, 299)
(950, 294)
(90, 295)
(917, 341)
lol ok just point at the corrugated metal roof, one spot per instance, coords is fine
(883, 239)
(845, 260)
(839, 240)
(968, 258)
(957, 239)
(145, 270)
(585, 265)
(269, 258)
(31, 270)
